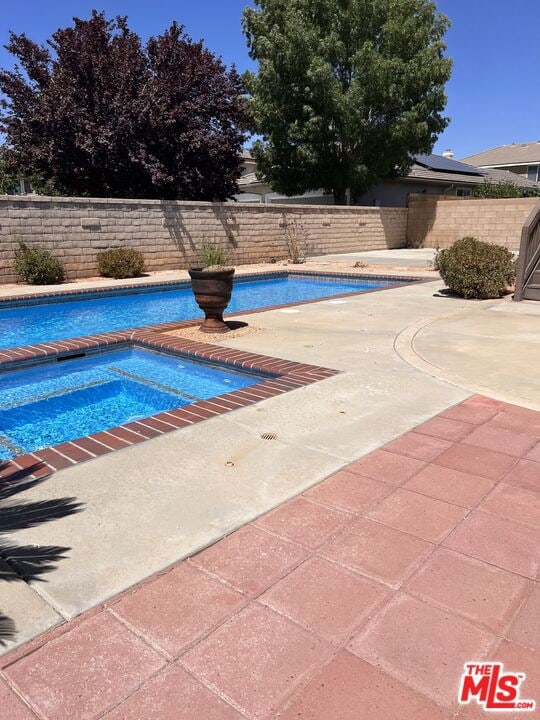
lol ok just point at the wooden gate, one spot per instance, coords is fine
(528, 272)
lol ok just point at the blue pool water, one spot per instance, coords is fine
(28, 325)
(55, 402)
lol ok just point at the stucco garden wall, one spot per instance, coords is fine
(438, 221)
(170, 234)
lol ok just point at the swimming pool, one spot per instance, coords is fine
(56, 402)
(61, 318)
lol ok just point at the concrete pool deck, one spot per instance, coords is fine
(417, 258)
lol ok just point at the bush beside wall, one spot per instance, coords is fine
(120, 263)
(36, 266)
(476, 269)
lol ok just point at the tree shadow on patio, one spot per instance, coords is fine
(25, 563)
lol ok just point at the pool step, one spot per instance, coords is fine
(154, 383)
(55, 393)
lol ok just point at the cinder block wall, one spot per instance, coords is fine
(170, 234)
(437, 221)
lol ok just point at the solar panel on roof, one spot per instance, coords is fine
(438, 162)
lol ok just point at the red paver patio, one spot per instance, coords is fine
(359, 600)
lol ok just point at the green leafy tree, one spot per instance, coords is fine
(503, 189)
(347, 91)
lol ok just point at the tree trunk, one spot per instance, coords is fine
(340, 197)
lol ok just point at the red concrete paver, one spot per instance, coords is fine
(450, 485)
(350, 491)
(419, 447)
(485, 401)
(326, 599)
(178, 608)
(526, 626)
(471, 412)
(12, 707)
(304, 522)
(378, 551)
(519, 420)
(492, 437)
(387, 467)
(513, 503)
(525, 474)
(419, 515)
(174, 695)
(258, 660)
(477, 461)
(352, 689)
(445, 429)
(251, 559)
(86, 671)
(534, 454)
(509, 545)
(479, 592)
(422, 646)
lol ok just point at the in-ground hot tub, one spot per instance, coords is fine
(62, 400)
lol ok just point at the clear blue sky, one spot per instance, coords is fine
(493, 94)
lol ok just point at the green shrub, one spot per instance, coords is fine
(36, 266)
(120, 263)
(504, 189)
(476, 269)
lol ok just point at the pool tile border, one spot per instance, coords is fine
(282, 377)
(23, 299)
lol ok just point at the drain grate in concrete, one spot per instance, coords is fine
(269, 436)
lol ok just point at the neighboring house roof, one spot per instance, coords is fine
(514, 154)
(246, 154)
(481, 176)
(495, 175)
(436, 169)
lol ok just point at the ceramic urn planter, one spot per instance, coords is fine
(212, 290)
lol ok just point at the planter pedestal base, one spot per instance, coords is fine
(214, 324)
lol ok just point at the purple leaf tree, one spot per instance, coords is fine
(95, 112)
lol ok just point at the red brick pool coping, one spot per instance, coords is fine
(358, 600)
(282, 376)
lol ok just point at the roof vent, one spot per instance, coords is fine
(448, 154)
